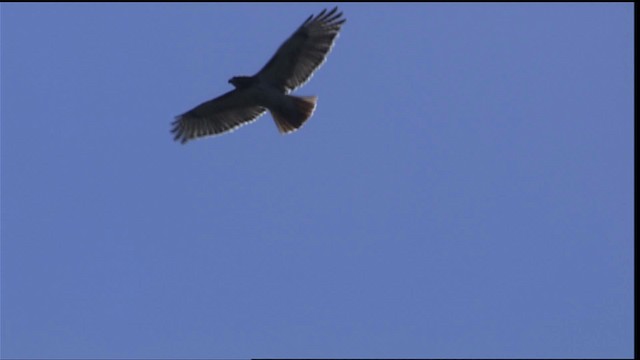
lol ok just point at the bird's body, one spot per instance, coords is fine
(289, 68)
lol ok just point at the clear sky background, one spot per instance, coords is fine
(464, 188)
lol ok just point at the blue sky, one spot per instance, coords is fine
(464, 188)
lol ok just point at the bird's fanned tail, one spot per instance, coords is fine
(292, 117)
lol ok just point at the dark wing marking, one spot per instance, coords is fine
(222, 114)
(303, 52)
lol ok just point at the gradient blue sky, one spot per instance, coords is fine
(464, 188)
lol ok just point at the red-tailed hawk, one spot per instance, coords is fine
(289, 68)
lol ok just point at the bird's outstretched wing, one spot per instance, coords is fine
(224, 113)
(303, 52)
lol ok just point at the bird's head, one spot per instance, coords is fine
(241, 82)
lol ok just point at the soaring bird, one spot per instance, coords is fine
(289, 68)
